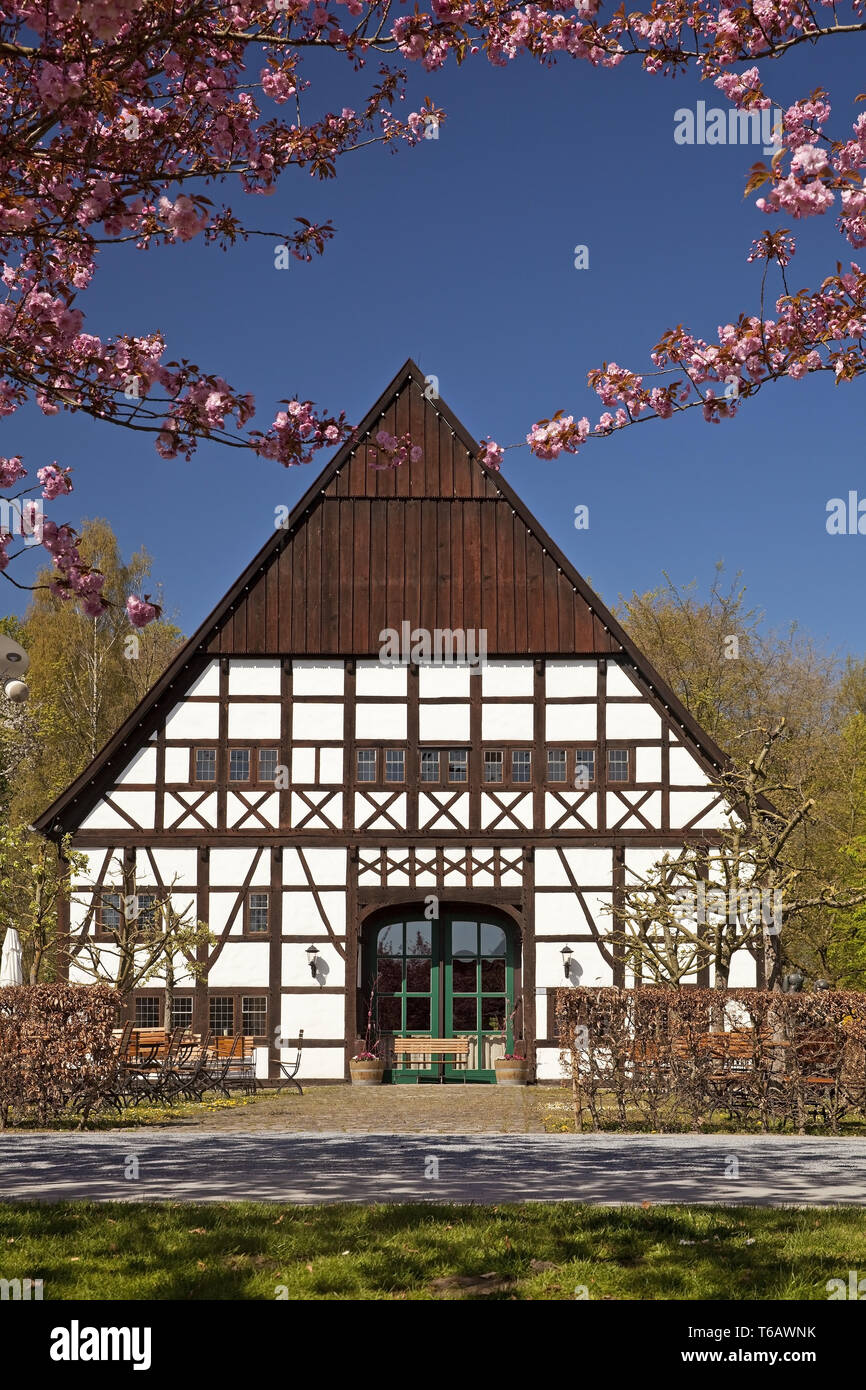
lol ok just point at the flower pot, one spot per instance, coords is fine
(366, 1073)
(514, 1072)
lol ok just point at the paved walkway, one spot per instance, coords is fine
(598, 1169)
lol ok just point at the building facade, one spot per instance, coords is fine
(310, 773)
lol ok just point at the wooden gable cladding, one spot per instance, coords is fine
(438, 543)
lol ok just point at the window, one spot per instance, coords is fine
(268, 764)
(458, 760)
(181, 1011)
(556, 765)
(222, 1015)
(366, 764)
(492, 766)
(521, 765)
(205, 764)
(254, 1015)
(257, 918)
(617, 764)
(239, 764)
(147, 1012)
(395, 760)
(584, 766)
(430, 765)
(109, 915)
(147, 910)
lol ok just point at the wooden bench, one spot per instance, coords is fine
(422, 1049)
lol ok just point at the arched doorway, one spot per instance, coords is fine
(453, 977)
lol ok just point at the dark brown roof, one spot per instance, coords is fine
(443, 543)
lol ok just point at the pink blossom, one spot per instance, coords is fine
(55, 481)
(142, 611)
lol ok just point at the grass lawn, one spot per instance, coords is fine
(246, 1250)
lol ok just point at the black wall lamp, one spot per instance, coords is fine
(313, 958)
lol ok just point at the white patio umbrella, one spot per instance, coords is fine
(11, 972)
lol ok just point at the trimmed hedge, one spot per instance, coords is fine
(661, 1058)
(56, 1049)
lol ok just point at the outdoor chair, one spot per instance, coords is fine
(289, 1069)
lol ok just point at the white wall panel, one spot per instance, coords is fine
(296, 966)
(320, 1016)
(685, 770)
(375, 678)
(195, 720)
(254, 721)
(142, 768)
(326, 866)
(303, 765)
(443, 723)
(571, 723)
(102, 817)
(241, 965)
(563, 679)
(140, 806)
(443, 682)
(318, 677)
(632, 721)
(620, 681)
(513, 678)
(648, 764)
(314, 721)
(301, 915)
(380, 721)
(231, 866)
(174, 865)
(177, 765)
(510, 723)
(330, 764)
(254, 677)
(208, 683)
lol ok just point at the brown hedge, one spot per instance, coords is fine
(56, 1049)
(667, 1058)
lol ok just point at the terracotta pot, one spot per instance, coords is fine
(366, 1073)
(512, 1073)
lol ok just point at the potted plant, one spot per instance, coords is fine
(513, 1068)
(366, 1067)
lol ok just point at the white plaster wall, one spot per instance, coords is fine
(443, 723)
(208, 683)
(587, 865)
(176, 806)
(588, 967)
(254, 721)
(744, 971)
(620, 680)
(296, 966)
(375, 678)
(685, 805)
(513, 678)
(102, 817)
(648, 764)
(510, 723)
(177, 766)
(241, 965)
(443, 682)
(318, 677)
(380, 721)
(632, 721)
(571, 723)
(558, 913)
(320, 1016)
(548, 1065)
(330, 765)
(230, 866)
(179, 864)
(318, 1063)
(327, 866)
(219, 907)
(141, 806)
(303, 765)
(301, 915)
(141, 768)
(194, 720)
(314, 721)
(254, 677)
(685, 770)
(567, 678)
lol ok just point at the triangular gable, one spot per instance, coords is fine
(442, 543)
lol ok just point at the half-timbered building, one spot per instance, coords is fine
(441, 830)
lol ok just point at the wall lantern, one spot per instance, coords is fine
(313, 957)
(566, 954)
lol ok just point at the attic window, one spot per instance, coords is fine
(239, 765)
(617, 764)
(205, 764)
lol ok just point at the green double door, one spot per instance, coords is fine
(449, 978)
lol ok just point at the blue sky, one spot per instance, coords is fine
(460, 254)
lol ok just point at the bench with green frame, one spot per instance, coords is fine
(423, 1049)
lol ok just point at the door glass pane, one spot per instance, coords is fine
(418, 975)
(493, 1014)
(493, 975)
(390, 975)
(419, 938)
(464, 939)
(492, 940)
(391, 940)
(465, 1014)
(418, 1013)
(390, 1015)
(465, 977)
